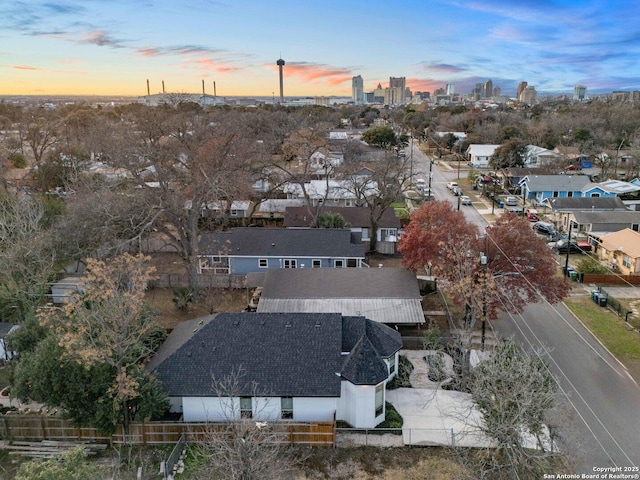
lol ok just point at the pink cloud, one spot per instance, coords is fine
(316, 72)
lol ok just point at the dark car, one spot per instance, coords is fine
(545, 228)
(574, 246)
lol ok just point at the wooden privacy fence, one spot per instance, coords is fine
(606, 279)
(37, 428)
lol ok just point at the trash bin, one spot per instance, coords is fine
(595, 295)
(573, 275)
(602, 300)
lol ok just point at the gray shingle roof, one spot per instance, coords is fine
(295, 354)
(626, 217)
(354, 216)
(364, 366)
(557, 183)
(270, 242)
(586, 203)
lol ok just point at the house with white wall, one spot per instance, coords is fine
(479, 155)
(286, 366)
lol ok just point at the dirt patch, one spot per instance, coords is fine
(211, 301)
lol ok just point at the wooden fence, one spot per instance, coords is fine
(605, 279)
(37, 428)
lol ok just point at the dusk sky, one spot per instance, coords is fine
(111, 47)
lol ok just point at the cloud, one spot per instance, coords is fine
(179, 50)
(208, 65)
(316, 73)
(442, 67)
(29, 68)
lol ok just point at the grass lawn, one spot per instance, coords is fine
(611, 330)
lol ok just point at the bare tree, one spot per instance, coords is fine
(242, 447)
(515, 393)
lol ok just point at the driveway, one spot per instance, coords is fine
(433, 416)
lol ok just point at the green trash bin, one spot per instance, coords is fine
(573, 275)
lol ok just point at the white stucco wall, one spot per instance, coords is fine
(357, 405)
(214, 409)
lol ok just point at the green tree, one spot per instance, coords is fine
(73, 465)
(510, 154)
(383, 137)
(110, 324)
(332, 220)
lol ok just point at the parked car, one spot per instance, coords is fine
(511, 201)
(464, 200)
(452, 185)
(546, 228)
(573, 246)
(532, 215)
(421, 184)
(457, 191)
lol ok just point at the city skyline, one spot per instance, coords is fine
(113, 48)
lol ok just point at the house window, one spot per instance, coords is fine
(349, 202)
(316, 263)
(289, 263)
(626, 261)
(338, 263)
(392, 364)
(209, 262)
(246, 410)
(595, 194)
(555, 194)
(263, 263)
(234, 213)
(286, 407)
(365, 234)
(380, 399)
(569, 194)
(634, 227)
(388, 234)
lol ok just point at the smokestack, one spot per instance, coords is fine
(214, 89)
(203, 86)
(163, 86)
(280, 64)
(148, 92)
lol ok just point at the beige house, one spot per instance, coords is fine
(621, 250)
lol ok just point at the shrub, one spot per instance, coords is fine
(392, 418)
(18, 160)
(405, 367)
(183, 298)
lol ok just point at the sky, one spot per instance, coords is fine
(112, 47)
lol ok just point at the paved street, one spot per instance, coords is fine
(601, 421)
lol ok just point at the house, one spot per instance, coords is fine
(621, 251)
(5, 330)
(290, 366)
(479, 155)
(590, 214)
(358, 220)
(243, 250)
(234, 209)
(345, 193)
(535, 156)
(384, 295)
(275, 208)
(541, 187)
(629, 192)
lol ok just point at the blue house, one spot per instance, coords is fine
(542, 187)
(245, 250)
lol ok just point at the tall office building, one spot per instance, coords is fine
(521, 87)
(579, 92)
(528, 95)
(449, 89)
(395, 94)
(487, 90)
(357, 89)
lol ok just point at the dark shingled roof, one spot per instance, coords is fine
(5, 328)
(284, 354)
(364, 366)
(586, 203)
(354, 216)
(278, 242)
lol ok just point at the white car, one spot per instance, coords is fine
(511, 201)
(452, 185)
(464, 200)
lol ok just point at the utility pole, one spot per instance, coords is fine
(430, 173)
(566, 262)
(484, 262)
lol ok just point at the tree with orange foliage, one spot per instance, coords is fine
(109, 323)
